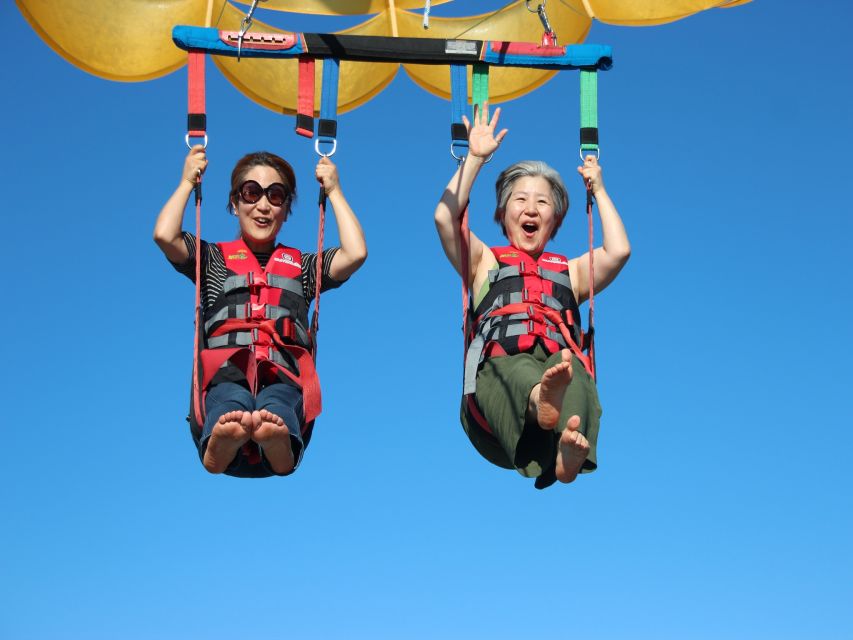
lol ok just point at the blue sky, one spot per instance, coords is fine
(722, 505)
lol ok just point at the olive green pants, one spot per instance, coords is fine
(504, 384)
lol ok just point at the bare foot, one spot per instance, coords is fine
(232, 431)
(572, 451)
(273, 437)
(546, 398)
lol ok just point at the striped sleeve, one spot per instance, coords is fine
(309, 271)
(213, 271)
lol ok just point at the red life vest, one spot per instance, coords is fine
(258, 327)
(529, 302)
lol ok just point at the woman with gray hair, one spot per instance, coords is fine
(530, 401)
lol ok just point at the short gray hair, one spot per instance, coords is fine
(531, 168)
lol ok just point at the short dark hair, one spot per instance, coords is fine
(263, 159)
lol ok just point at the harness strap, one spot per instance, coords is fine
(589, 142)
(198, 408)
(284, 283)
(196, 116)
(305, 99)
(232, 339)
(589, 110)
(243, 311)
(318, 272)
(479, 84)
(327, 127)
(458, 103)
(590, 323)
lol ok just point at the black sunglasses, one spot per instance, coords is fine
(250, 192)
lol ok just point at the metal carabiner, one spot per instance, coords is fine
(543, 18)
(245, 25)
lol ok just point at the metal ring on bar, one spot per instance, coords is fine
(583, 158)
(537, 9)
(333, 142)
(461, 158)
(458, 158)
(187, 140)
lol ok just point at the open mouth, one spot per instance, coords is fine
(262, 222)
(529, 228)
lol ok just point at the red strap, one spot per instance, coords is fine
(197, 387)
(305, 99)
(465, 268)
(590, 321)
(318, 275)
(195, 93)
(476, 414)
(312, 401)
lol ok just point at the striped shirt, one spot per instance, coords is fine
(213, 271)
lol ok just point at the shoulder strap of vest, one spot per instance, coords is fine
(238, 257)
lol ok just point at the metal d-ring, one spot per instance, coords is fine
(583, 158)
(187, 140)
(333, 141)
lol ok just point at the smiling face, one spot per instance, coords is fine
(260, 222)
(529, 218)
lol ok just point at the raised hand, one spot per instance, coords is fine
(482, 141)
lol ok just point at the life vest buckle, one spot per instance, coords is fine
(256, 283)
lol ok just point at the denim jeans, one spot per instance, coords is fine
(283, 400)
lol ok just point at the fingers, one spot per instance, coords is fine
(590, 170)
(326, 173)
(493, 123)
(195, 163)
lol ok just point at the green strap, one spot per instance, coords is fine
(589, 110)
(479, 84)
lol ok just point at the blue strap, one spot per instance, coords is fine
(327, 127)
(329, 106)
(458, 104)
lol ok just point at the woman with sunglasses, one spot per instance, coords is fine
(529, 402)
(259, 390)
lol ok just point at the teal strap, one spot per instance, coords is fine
(589, 110)
(479, 84)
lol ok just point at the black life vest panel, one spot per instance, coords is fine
(258, 327)
(529, 302)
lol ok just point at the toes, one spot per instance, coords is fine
(269, 416)
(247, 421)
(574, 440)
(231, 416)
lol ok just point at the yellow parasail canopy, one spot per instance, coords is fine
(131, 41)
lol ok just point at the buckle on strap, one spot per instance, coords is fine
(255, 283)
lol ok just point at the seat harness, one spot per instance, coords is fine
(530, 302)
(258, 329)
